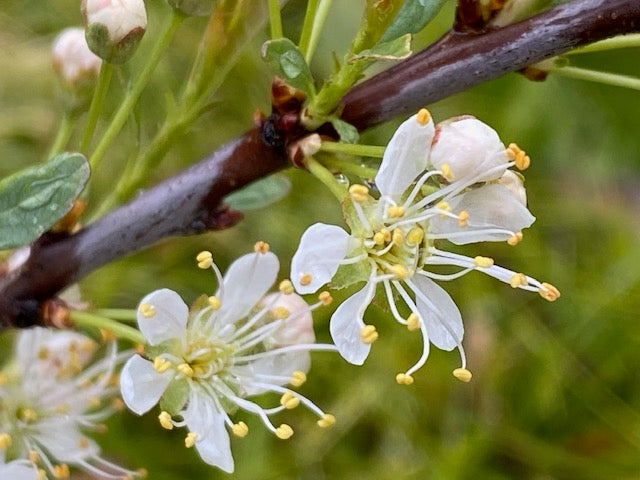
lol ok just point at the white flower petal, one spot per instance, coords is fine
(245, 283)
(439, 312)
(347, 322)
(297, 328)
(273, 365)
(322, 248)
(167, 319)
(65, 443)
(495, 214)
(471, 148)
(405, 157)
(19, 470)
(141, 386)
(212, 441)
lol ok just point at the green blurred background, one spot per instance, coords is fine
(556, 387)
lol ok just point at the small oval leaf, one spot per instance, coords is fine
(260, 193)
(412, 17)
(33, 199)
(286, 61)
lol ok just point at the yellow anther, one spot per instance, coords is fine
(415, 236)
(399, 271)
(326, 421)
(142, 473)
(423, 116)
(161, 365)
(214, 302)
(368, 334)
(549, 292)
(190, 439)
(325, 297)
(185, 369)
(33, 456)
(358, 193)
(286, 287)
(397, 236)
(205, 259)
(404, 379)
(446, 171)
(462, 374)
(106, 335)
(61, 471)
(386, 234)
(139, 348)
(518, 280)
(240, 429)
(147, 310)
(515, 239)
(484, 262)
(443, 206)
(289, 400)
(463, 218)
(117, 404)
(165, 420)
(29, 415)
(261, 247)
(413, 322)
(280, 313)
(305, 279)
(396, 211)
(518, 156)
(5, 441)
(3, 379)
(83, 443)
(42, 475)
(378, 238)
(284, 431)
(298, 378)
(94, 402)
(63, 409)
(43, 353)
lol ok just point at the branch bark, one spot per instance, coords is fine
(190, 202)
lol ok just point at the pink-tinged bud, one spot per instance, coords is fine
(75, 64)
(193, 8)
(114, 27)
(297, 327)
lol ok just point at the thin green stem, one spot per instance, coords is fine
(275, 19)
(622, 41)
(64, 134)
(614, 79)
(133, 94)
(353, 149)
(348, 167)
(124, 332)
(99, 94)
(318, 23)
(325, 176)
(307, 26)
(121, 314)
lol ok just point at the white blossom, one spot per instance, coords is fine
(449, 182)
(49, 394)
(202, 364)
(72, 60)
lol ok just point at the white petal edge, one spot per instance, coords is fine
(346, 323)
(405, 157)
(19, 470)
(491, 207)
(141, 386)
(247, 280)
(168, 319)
(322, 248)
(440, 313)
(212, 441)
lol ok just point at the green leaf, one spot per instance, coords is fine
(396, 49)
(348, 133)
(32, 200)
(412, 17)
(175, 396)
(259, 193)
(287, 62)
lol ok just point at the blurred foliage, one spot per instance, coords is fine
(556, 387)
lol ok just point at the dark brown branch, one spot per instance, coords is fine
(460, 61)
(191, 201)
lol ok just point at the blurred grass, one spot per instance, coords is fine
(556, 388)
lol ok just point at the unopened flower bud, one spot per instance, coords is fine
(75, 64)
(514, 183)
(114, 27)
(470, 149)
(297, 327)
(193, 8)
